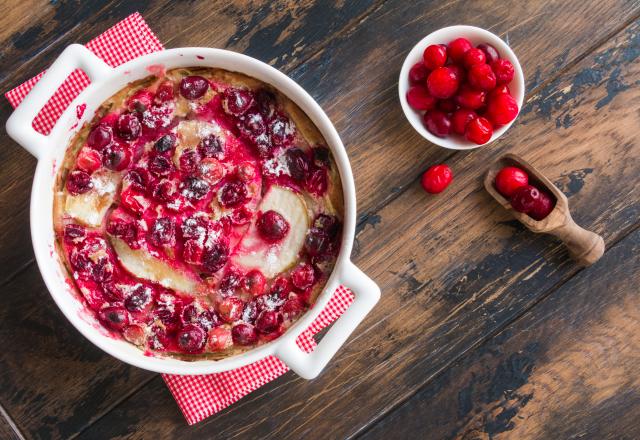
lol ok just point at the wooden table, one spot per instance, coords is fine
(484, 330)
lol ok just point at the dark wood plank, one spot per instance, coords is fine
(566, 369)
(469, 269)
(8, 429)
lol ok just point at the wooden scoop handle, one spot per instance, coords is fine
(584, 246)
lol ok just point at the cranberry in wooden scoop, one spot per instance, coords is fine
(509, 179)
(436, 179)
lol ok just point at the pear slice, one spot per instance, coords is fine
(90, 208)
(271, 259)
(145, 266)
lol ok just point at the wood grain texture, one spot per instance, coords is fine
(470, 268)
(566, 369)
(8, 429)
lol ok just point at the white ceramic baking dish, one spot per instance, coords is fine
(49, 150)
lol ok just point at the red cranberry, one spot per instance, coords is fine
(237, 101)
(317, 243)
(524, 198)
(133, 201)
(419, 99)
(241, 216)
(447, 105)
(100, 136)
(164, 92)
(102, 270)
(168, 309)
(470, 98)
(191, 338)
(280, 288)
(253, 283)
(459, 72)
(503, 70)
(78, 182)
(460, 119)
(509, 179)
(219, 339)
(165, 143)
(160, 166)
(215, 257)
(193, 87)
(321, 157)
(436, 179)
(211, 146)
(265, 102)
(162, 232)
(192, 252)
(443, 82)
(418, 73)
(230, 282)
(328, 223)
(211, 170)
(139, 299)
(303, 276)
(434, 56)
(502, 109)
(89, 160)
(164, 191)
(499, 90)
(437, 122)
(194, 227)
(482, 77)
(116, 157)
(140, 100)
(292, 308)
(474, 56)
(73, 233)
(268, 321)
(189, 160)
(318, 182)
(479, 131)
(233, 193)
(298, 163)
(543, 207)
(458, 48)
(272, 226)
(230, 309)
(281, 131)
(115, 318)
(490, 52)
(253, 125)
(112, 292)
(122, 229)
(250, 312)
(137, 178)
(244, 334)
(128, 126)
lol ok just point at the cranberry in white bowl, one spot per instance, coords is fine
(442, 124)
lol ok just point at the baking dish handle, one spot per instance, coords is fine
(309, 365)
(19, 124)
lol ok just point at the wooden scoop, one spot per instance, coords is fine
(584, 246)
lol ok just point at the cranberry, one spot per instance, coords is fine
(479, 131)
(490, 52)
(328, 223)
(116, 157)
(280, 288)
(140, 100)
(418, 73)
(160, 166)
(100, 136)
(443, 82)
(499, 90)
(194, 227)
(192, 252)
(244, 334)
(503, 70)
(211, 146)
(266, 102)
(318, 182)
(419, 99)
(162, 232)
(458, 48)
(241, 216)
(250, 312)
(233, 193)
(191, 338)
(215, 257)
(303, 276)
(102, 270)
(211, 170)
(246, 171)
(123, 229)
(292, 308)
(168, 309)
(73, 233)
(434, 56)
(230, 309)
(128, 126)
(112, 292)
(268, 321)
(164, 92)
(231, 280)
(89, 160)
(165, 143)
(298, 163)
(317, 243)
(164, 191)
(272, 226)
(543, 207)
(474, 56)
(524, 198)
(115, 318)
(437, 122)
(79, 182)
(436, 179)
(460, 119)
(458, 71)
(253, 283)
(139, 299)
(189, 160)
(253, 125)
(509, 179)
(482, 77)
(194, 188)
(502, 109)
(470, 98)
(321, 157)
(134, 201)
(281, 131)
(193, 87)
(219, 339)
(237, 101)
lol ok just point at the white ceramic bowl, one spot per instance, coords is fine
(443, 36)
(49, 150)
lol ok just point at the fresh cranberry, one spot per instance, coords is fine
(524, 198)
(140, 100)
(233, 193)
(244, 334)
(191, 338)
(192, 252)
(419, 99)
(502, 109)
(281, 131)
(219, 339)
(436, 179)
(474, 56)
(165, 143)
(434, 56)
(160, 166)
(79, 182)
(292, 308)
(509, 179)
(138, 299)
(194, 188)
(447, 105)
(162, 232)
(437, 122)
(303, 276)
(164, 92)
(503, 70)
(443, 83)
(543, 207)
(418, 73)
(137, 178)
(458, 48)
(168, 308)
(482, 77)
(100, 136)
(499, 90)
(73, 233)
(237, 101)
(193, 87)
(189, 160)
(460, 119)
(253, 283)
(479, 131)
(298, 163)
(88, 160)
(116, 157)
(470, 98)
(272, 226)
(459, 72)
(215, 257)
(134, 201)
(128, 126)
(211, 146)
(115, 318)
(490, 52)
(230, 309)
(254, 124)
(268, 321)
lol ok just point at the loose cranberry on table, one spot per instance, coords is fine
(509, 179)
(436, 179)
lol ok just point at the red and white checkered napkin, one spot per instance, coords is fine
(198, 396)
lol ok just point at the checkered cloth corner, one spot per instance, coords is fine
(202, 396)
(128, 39)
